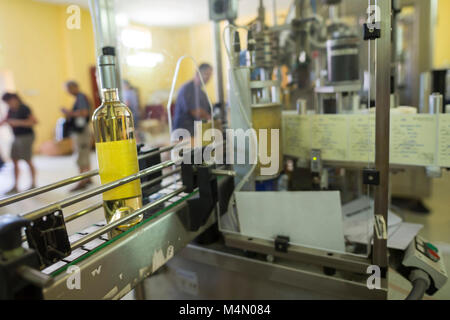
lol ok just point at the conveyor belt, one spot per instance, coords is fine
(93, 246)
(111, 269)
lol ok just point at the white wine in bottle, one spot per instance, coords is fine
(116, 146)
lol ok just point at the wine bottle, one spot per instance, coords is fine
(116, 146)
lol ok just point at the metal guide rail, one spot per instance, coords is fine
(59, 184)
(79, 251)
(176, 211)
(116, 267)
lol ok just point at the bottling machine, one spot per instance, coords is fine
(243, 231)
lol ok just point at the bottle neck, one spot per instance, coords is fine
(111, 95)
(108, 78)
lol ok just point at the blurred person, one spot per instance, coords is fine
(21, 120)
(131, 99)
(78, 119)
(192, 102)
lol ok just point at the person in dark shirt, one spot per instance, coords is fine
(81, 134)
(192, 103)
(131, 99)
(21, 120)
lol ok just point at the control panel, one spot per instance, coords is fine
(422, 254)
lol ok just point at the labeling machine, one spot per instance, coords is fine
(201, 235)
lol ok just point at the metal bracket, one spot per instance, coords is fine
(18, 275)
(282, 243)
(16, 284)
(147, 163)
(371, 33)
(48, 236)
(380, 227)
(371, 177)
(201, 205)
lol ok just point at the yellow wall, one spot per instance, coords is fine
(173, 43)
(202, 49)
(442, 40)
(41, 54)
(79, 47)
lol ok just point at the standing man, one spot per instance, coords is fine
(21, 120)
(192, 103)
(79, 118)
(131, 99)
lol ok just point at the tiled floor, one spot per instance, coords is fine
(437, 224)
(49, 170)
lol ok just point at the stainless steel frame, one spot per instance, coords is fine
(424, 42)
(220, 91)
(383, 113)
(112, 271)
(301, 254)
(218, 272)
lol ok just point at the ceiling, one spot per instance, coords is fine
(174, 12)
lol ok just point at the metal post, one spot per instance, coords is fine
(298, 9)
(275, 20)
(436, 103)
(383, 69)
(219, 69)
(394, 59)
(139, 291)
(424, 42)
(104, 22)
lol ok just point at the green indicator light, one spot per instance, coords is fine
(432, 247)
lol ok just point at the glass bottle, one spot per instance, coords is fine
(116, 146)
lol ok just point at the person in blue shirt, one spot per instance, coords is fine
(131, 99)
(81, 134)
(192, 103)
